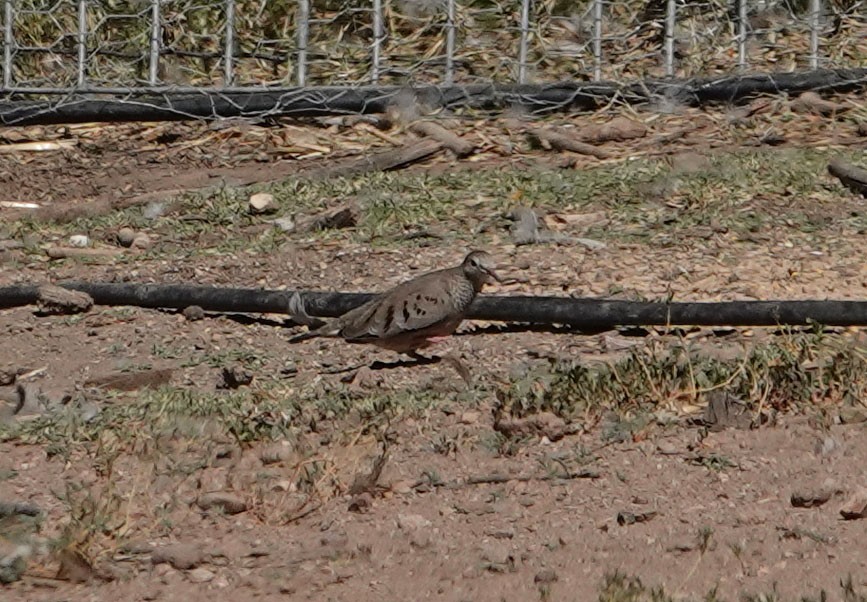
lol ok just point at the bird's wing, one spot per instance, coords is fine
(415, 305)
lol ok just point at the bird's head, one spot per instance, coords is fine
(480, 269)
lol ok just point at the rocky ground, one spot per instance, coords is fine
(140, 472)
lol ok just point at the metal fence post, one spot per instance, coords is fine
(742, 34)
(522, 48)
(229, 50)
(597, 40)
(8, 40)
(81, 43)
(815, 13)
(670, 24)
(156, 35)
(450, 42)
(378, 34)
(302, 34)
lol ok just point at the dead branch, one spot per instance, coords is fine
(387, 160)
(77, 253)
(429, 129)
(564, 140)
(854, 178)
(499, 479)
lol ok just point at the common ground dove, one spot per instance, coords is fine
(415, 314)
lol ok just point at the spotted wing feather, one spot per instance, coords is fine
(418, 305)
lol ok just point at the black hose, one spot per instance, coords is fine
(589, 314)
(338, 100)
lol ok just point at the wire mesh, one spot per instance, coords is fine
(135, 46)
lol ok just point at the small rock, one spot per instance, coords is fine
(262, 202)
(125, 236)
(289, 370)
(141, 241)
(546, 576)
(827, 446)
(286, 224)
(810, 499)
(32, 401)
(412, 522)
(10, 245)
(420, 539)
(856, 506)
(200, 575)
(470, 417)
(136, 546)
(689, 163)
(475, 507)
(153, 210)
(13, 508)
(227, 502)
(282, 485)
(347, 217)
(234, 377)
(852, 415)
(497, 554)
(13, 560)
(681, 547)
(361, 503)
(74, 566)
(151, 594)
(7, 377)
(500, 533)
(403, 487)
(543, 424)
(277, 452)
(181, 556)
(629, 518)
(79, 241)
(725, 410)
(212, 478)
(193, 313)
(667, 448)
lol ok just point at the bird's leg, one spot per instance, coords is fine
(459, 367)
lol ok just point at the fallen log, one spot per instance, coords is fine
(589, 314)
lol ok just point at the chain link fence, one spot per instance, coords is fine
(127, 47)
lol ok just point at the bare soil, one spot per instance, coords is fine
(713, 510)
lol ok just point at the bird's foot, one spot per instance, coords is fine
(423, 360)
(342, 370)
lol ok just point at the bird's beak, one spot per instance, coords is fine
(494, 275)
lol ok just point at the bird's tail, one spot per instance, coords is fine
(317, 328)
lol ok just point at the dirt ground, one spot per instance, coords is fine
(455, 513)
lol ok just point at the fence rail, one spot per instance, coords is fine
(123, 46)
